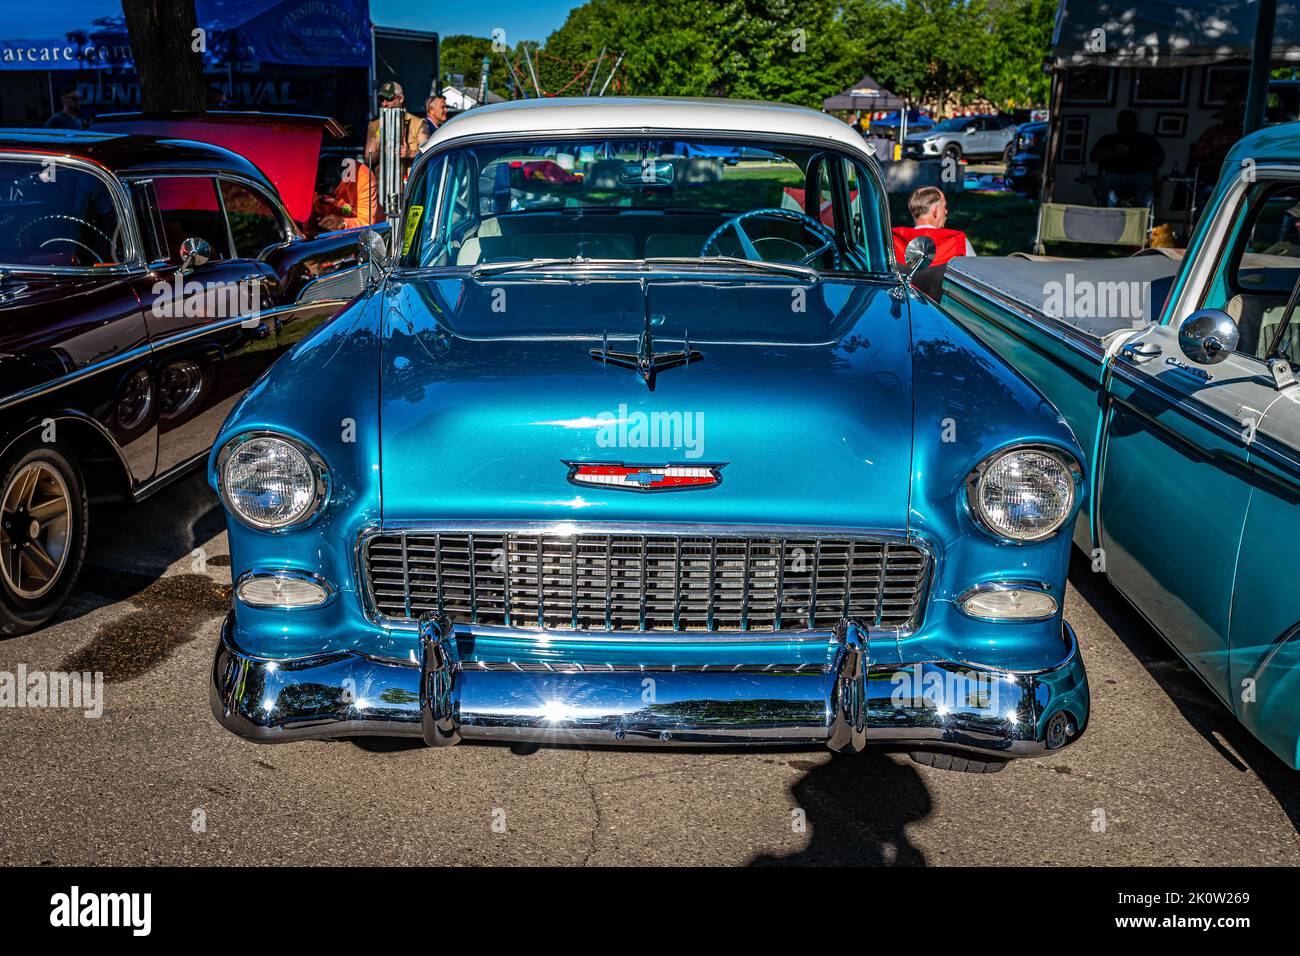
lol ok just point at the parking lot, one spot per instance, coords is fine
(1163, 776)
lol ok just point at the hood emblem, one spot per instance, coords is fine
(620, 477)
(645, 361)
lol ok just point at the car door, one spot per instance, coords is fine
(1178, 473)
(1264, 639)
(205, 314)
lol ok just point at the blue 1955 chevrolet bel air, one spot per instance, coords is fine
(1191, 422)
(644, 440)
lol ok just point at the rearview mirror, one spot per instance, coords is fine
(647, 172)
(1206, 337)
(918, 254)
(194, 252)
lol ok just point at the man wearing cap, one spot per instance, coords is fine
(390, 95)
(70, 116)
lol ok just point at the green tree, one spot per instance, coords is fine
(1022, 38)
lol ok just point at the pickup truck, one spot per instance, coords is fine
(1174, 372)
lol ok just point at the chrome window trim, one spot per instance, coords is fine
(1212, 245)
(288, 228)
(141, 351)
(134, 261)
(976, 512)
(1010, 584)
(92, 368)
(313, 458)
(862, 156)
(554, 636)
(288, 232)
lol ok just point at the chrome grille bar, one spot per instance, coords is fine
(630, 581)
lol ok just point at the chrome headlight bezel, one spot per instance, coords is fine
(315, 462)
(974, 500)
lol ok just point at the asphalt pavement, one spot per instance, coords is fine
(1163, 776)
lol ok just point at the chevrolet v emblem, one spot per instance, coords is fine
(645, 361)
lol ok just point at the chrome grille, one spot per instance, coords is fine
(645, 582)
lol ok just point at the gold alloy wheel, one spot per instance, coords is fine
(35, 519)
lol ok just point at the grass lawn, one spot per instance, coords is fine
(997, 224)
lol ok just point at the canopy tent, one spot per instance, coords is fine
(866, 96)
(91, 34)
(916, 120)
(1168, 32)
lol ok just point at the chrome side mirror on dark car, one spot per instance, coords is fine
(1207, 336)
(918, 254)
(194, 252)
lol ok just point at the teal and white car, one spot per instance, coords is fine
(1191, 422)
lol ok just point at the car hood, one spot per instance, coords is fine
(921, 137)
(802, 395)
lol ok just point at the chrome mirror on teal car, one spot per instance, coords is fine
(918, 254)
(1207, 336)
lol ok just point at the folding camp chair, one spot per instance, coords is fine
(1118, 226)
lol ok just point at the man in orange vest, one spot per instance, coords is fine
(929, 209)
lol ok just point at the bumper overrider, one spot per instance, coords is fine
(845, 704)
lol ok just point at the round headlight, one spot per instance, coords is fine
(270, 482)
(1024, 494)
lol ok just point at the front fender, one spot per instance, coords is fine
(968, 405)
(324, 393)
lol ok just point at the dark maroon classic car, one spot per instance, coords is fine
(145, 282)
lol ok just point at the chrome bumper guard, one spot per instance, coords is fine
(925, 704)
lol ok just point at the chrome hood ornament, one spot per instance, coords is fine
(645, 361)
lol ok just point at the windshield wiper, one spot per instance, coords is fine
(785, 268)
(486, 268)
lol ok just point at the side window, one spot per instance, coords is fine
(150, 230)
(457, 216)
(826, 192)
(254, 225)
(189, 209)
(1254, 281)
(866, 219)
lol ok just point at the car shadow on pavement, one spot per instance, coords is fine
(857, 808)
(133, 545)
(1197, 704)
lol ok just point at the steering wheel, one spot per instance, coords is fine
(81, 222)
(818, 230)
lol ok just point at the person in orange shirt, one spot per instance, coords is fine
(354, 202)
(929, 208)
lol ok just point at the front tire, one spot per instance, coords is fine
(1008, 154)
(44, 526)
(942, 760)
(952, 151)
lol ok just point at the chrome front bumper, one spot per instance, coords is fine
(845, 705)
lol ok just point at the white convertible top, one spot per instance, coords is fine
(637, 114)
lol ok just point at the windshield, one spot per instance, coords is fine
(55, 215)
(953, 124)
(487, 206)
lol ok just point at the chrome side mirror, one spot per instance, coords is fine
(1206, 337)
(918, 254)
(194, 252)
(374, 254)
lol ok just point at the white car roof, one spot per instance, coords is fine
(648, 115)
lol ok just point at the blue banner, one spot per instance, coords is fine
(250, 32)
